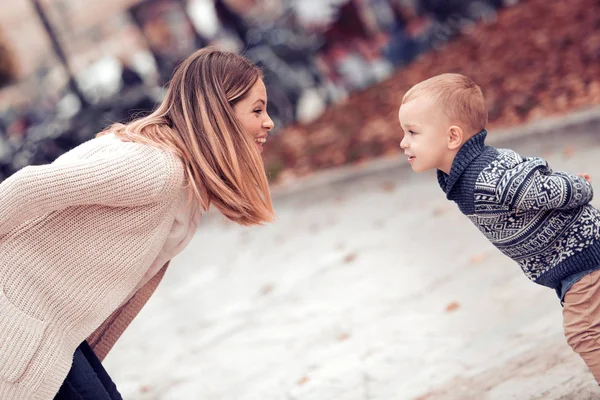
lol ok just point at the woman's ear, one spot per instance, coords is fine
(455, 137)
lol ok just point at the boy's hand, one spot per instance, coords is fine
(586, 177)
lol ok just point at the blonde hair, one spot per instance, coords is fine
(458, 96)
(196, 121)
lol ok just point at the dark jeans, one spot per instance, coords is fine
(87, 379)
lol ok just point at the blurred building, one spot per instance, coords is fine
(87, 32)
(80, 65)
(85, 29)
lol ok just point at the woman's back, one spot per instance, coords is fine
(87, 225)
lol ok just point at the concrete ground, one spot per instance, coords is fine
(369, 286)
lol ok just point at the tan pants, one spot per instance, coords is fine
(581, 313)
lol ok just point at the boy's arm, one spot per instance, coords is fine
(117, 180)
(532, 185)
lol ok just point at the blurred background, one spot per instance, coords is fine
(370, 284)
(68, 68)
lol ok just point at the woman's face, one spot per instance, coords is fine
(251, 111)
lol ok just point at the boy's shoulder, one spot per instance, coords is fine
(507, 161)
(501, 165)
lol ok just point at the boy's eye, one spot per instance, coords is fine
(411, 132)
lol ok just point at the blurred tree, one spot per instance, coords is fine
(58, 50)
(8, 66)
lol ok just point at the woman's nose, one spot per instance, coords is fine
(268, 123)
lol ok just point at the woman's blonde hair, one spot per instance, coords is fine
(196, 121)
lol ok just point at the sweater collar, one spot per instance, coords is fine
(467, 153)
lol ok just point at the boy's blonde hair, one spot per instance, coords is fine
(458, 96)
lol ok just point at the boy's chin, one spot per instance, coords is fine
(418, 169)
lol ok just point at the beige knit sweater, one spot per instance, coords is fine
(76, 238)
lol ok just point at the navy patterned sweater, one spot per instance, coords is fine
(538, 217)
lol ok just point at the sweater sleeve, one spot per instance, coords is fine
(118, 179)
(532, 185)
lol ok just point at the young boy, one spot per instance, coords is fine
(540, 218)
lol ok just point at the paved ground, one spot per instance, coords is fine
(369, 288)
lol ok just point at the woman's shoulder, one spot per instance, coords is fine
(155, 158)
(105, 146)
(165, 162)
(143, 158)
(111, 146)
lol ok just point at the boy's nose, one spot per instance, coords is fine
(403, 143)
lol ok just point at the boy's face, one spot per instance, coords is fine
(426, 135)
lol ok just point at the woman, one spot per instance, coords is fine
(84, 241)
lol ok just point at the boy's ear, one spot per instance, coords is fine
(455, 137)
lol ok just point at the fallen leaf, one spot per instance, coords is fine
(145, 389)
(388, 186)
(440, 210)
(266, 289)
(350, 257)
(302, 380)
(343, 337)
(452, 307)
(569, 151)
(478, 258)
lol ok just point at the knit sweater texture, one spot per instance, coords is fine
(76, 237)
(540, 218)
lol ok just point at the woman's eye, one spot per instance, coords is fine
(257, 111)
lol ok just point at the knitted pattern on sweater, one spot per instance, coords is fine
(76, 237)
(538, 217)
